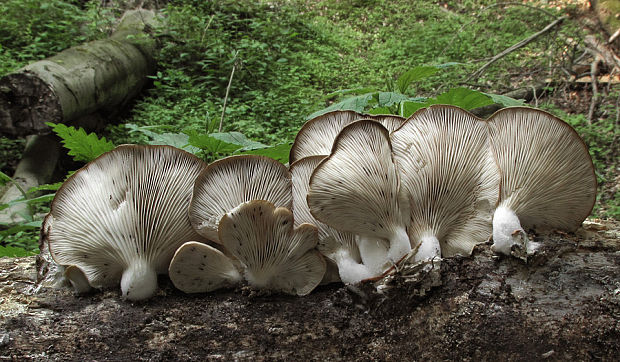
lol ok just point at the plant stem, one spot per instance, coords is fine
(232, 73)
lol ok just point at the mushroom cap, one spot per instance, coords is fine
(547, 175)
(330, 239)
(199, 268)
(356, 189)
(127, 207)
(317, 136)
(448, 172)
(276, 255)
(233, 180)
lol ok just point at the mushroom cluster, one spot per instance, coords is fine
(360, 194)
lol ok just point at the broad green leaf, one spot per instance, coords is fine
(357, 104)
(464, 98)
(82, 146)
(13, 252)
(409, 107)
(210, 144)
(178, 140)
(380, 110)
(404, 81)
(238, 138)
(35, 200)
(505, 101)
(344, 92)
(386, 99)
(279, 152)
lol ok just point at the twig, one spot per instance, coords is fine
(232, 73)
(595, 94)
(518, 45)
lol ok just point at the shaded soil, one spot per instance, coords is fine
(563, 304)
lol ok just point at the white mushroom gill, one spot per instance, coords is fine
(228, 182)
(340, 248)
(356, 190)
(317, 136)
(547, 176)
(447, 169)
(276, 255)
(123, 216)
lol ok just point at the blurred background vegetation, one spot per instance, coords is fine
(293, 58)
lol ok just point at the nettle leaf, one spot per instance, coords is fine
(386, 99)
(210, 144)
(82, 146)
(420, 72)
(357, 104)
(409, 107)
(178, 140)
(238, 138)
(380, 110)
(505, 100)
(464, 98)
(278, 152)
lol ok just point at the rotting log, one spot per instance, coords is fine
(564, 304)
(100, 75)
(35, 168)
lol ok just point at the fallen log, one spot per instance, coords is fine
(100, 75)
(564, 304)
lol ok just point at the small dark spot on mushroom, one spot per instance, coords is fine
(235, 226)
(284, 222)
(178, 272)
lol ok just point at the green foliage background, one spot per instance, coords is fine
(293, 58)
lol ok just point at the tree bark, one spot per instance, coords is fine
(564, 304)
(100, 75)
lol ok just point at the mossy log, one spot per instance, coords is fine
(563, 305)
(100, 75)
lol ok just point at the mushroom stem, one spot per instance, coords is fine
(350, 271)
(428, 248)
(78, 279)
(139, 280)
(374, 254)
(509, 238)
(399, 245)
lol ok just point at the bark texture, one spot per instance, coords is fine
(99, 75)
(563, 305)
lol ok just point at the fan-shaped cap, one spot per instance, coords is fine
(318, 134)
(122, 216)
(547, 176)
(228, 182)
(335, 245)
(199, 268)
(452, 181)
(356, 189)
(276, 255)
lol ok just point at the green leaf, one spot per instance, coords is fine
(505, 101)
(404, 81)
(464, 98)
(409, 107)
(82, 146)
(380, 110)
(387, 99)
(45, 187)
(238, 138)
(357, 104)
(4, 178)
(13, 252)
(278, 152)
(210, 144)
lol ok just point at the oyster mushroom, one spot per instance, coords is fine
(121, 217)
(228, 182)
(449, 175)
(317, 136)
(276, 256)
(356, 190)
(547, 177)
(340, 248)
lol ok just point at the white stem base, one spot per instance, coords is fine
(399, 245)
(350, 271)
(429, 248)
(139, 281)
(78, 279)
(509, 238)
(374, 254)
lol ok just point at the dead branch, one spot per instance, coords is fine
(516, 46)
